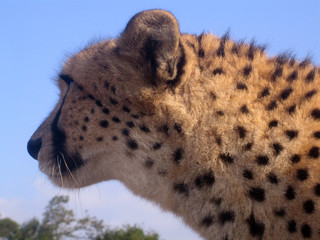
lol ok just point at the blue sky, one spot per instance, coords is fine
(37, 35)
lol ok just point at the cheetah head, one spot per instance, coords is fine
(111, 117)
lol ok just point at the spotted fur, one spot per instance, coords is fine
(210, 129)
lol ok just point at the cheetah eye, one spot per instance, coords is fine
(67, 79)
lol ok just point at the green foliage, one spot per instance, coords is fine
(9, 229)
(60, 223)
(128, 233)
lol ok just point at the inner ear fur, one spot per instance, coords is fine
(152, 39)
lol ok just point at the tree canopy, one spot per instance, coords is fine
(60, 223)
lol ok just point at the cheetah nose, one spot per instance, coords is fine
(34, 146)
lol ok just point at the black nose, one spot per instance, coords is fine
(34, 147)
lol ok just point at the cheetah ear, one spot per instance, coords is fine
(151, 38)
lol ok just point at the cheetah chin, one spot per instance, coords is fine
(212, 130)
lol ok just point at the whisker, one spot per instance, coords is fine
(65, 163)
(60, 174)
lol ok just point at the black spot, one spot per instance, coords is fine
(291, 134)
(218, 71)
(227, 216)
(86, 119)
(114, 138)
(257, 194)
(247, 70)
(277, 73)
(164, 128)
(181, 188)
(106, 84)
(242, 86)
(207, 221)
(130, 124)
(292, 109)
(220, 113)
(177, 155)
(235, 49)
(292, 226)
(311, 75)
(84, 128)
(125, 132)
(98, 103)
(104, 123)
(248, 146)
(80, 88)
(149, 163)
(81, 138)
(144, 128)
(218, 140)
(244, 109)
(201, 53)
(315, 113)
(125, 109)
(247, 174)
(113, 101)
(91, 97)
(116, 119)
(216, 201)
(272, 178)
(290, 193)
(293, 76)
(264, 93)
(132, 144)
(256, 228)
(105, 111)
(156, 146)
(206, 179)
(113, 89)
(286, 93)
(306, 231)
(273, 123)
(295, 158)
(308, 206)
(241, 131)
(272, 105)
(280, 212)
(213, 96)
(277, 147)
(135, 116)
(316, 135)
(302, 174)
(226, 158)
(178, 128)
(99, 139)
(310, 94)
(316, 189)
(262, 160)
(314, 152)
(221, 49)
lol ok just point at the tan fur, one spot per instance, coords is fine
(200, 140)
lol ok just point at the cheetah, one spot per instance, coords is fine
(210, 129)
